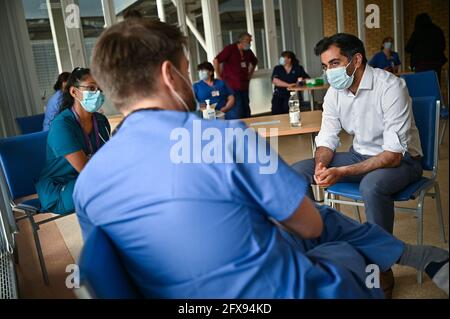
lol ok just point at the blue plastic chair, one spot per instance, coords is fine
(30, 124)
(102, 273)
(426, 115)
(22, 159)
(427, 84)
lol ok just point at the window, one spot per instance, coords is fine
(40, 34)
(232, 20)
(92, 22)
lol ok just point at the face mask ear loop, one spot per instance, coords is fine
(177, 95)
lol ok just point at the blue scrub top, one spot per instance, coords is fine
(52, 109)
(57, 179)
(297, 71)
(381, 61)
(217, 93)
(198, 230)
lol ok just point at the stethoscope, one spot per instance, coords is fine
(96, 130)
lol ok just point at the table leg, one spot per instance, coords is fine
(311, 96)
(313, 144)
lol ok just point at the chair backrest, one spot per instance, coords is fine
(22, 159)
(423, 84)
(31, 124)
(426, 116)
(102, 272)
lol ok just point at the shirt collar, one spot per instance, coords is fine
(366, 81)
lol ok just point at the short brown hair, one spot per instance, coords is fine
(127, 57)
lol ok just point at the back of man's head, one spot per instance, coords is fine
(127, 58)
(348, 44)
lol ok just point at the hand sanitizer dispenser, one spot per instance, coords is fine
(209, 113)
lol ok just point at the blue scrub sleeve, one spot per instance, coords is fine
(269, 184)
(227, 90)
(62, 138)
(397, 59)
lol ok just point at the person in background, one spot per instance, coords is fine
(286, 74)
(212, 229)
(238, 64)
(386, 59)
(212, 89)
(52, 108)
(76, 133)
(426, 46)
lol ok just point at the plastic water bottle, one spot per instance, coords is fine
(294, 110)
(209, 113)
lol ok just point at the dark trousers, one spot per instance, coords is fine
(241, 108)
(376, 187)
(280, 104)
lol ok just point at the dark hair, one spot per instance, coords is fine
(347, 43)
(423, 20)
(132, 14)
(205, 66)
(128, 56)
(77, 75)
(290, 55)
(243, 35)
(61, 79)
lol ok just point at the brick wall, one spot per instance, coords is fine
(350, 17)
(329, 17)
(437, 9)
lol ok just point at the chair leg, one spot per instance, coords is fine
(333, 204)
(420, 230)
(35, 228)
(357, 213)
(444, 128)
(437, 198)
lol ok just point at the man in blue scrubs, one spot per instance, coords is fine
(187, 226)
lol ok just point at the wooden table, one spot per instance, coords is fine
(311, 122)
(309, 90)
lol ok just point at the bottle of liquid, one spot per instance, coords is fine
(294, 110)
(209, 113)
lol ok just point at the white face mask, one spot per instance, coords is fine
(178, 97)
(203, 75)
(339, 79)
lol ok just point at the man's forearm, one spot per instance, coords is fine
(383, 160)
(217, 69)
(323, 155)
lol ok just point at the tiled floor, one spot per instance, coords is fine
(62, 241)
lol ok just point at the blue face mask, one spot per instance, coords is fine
(203, 75)
(339, 79)
(388, 45)
(282, 61)
(92, 101)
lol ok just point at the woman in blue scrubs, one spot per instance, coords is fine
(287, 73)
(386, 59)
(214, 90)
(76, 133)
(54, 101)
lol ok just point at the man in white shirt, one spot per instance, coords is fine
(374, 106)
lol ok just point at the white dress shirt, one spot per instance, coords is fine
(379, 116)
